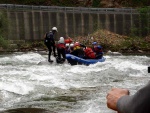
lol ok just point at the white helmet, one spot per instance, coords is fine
(61, 40)
(71, 45)
(54, 28)
(67, 45)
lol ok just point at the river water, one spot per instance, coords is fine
(27, 80)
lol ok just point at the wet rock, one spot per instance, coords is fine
(35, 49)
(113, 53)
(140, 51)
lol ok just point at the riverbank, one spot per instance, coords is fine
(128, 51)
(108, 40)
(109, 52)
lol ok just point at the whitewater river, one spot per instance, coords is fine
(27, 80)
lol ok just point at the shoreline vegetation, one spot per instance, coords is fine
(108, 40)
(82, 3)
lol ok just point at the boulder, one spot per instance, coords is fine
(113, 53)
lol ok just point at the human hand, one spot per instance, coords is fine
(113, 96)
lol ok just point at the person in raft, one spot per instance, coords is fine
(68, 40)
(97, 49)
(50, 42)
(77, 50)
(119, 100)
(61, 51)
(89, 53)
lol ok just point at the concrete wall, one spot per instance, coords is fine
(31, 25)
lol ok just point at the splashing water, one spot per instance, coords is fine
(28, 80)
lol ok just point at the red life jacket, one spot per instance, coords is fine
(61, 45)
(69, 40)
(97, 50)
(89, 53)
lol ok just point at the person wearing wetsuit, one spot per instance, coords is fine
(50, 42)
(119, 100)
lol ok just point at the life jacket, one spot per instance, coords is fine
(89, 53)
(69, 40)
(77, 46)
(61, 46)
(98, 50)
(49, 39)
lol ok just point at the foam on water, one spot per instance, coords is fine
(28, 76)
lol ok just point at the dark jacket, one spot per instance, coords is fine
(78, 52)
(49, 39)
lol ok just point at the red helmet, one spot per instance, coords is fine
(76, 44)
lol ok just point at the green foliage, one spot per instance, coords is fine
(134, 31)
(33, 2)
(144, 10)
(144, 23)
(96, 3)
(140, 3)
(67, 3)
(4, 43)
(3, 23)
(56, 2)
(135, 44)
(3, 26)
(42, 2)
(145, 20)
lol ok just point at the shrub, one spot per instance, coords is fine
(3, 29)
(4, 43)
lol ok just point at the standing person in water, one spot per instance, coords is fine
(61, 51)
(50, 42)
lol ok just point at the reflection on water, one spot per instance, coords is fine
(27, 80)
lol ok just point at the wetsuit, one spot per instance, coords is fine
(137, 103)
(50, 44)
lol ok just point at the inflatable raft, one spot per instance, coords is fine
(71, 59)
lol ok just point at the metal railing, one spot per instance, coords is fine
(66, 9)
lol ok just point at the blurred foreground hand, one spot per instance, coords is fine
(113, 96)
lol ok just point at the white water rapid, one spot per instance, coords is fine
(27, 80)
